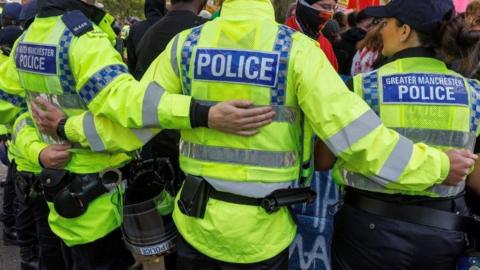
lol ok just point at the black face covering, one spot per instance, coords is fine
(311, 19)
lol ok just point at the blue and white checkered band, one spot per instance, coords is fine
(370, 90)
(13, 99)
(187, 50)
(100, 80)
(475, 114)
(36, 58)
(424, 89)
(237, 66)
(65, 73)
(282, 46)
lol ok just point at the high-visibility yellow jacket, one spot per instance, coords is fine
(73, 64)
(420, 98)
(246, 54)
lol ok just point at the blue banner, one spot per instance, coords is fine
(311, 248)
(427, 89)
(36, 58)
(236, 66)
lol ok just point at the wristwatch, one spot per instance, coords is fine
(61, 129)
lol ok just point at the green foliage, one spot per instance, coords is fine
(124, 8)
(281, 9)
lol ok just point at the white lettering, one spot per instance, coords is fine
(440, 93)
(414, 92)
(265, 67)
(203, 61)
(450, 93)
(251, 69)
(230, 73)
(402, 89)
(218, 65)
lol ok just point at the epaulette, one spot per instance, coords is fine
(77, 22)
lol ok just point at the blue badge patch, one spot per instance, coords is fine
(235, 66)
(77, 22)
(36, 58)
(424, 89)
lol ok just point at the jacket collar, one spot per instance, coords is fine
(50, 8)
(413, 52)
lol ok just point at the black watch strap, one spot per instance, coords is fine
(61, 129)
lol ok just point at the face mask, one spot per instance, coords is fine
(311, 19)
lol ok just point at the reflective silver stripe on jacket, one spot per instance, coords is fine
(96, 144)
(353, 132)
(238, 156)
(398, 160)
(151, 101)
(362, 182)
(173, 56)
(282, 113)
(20, 125)
(392, 168)
(449, 138)
(253, 189)
(143, 134)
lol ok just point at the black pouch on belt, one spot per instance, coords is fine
(53, 181)
(194, 197)
(73, 200)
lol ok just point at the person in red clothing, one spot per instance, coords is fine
(309, 18)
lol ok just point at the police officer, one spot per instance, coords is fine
(39, 247)
(420, 223)
(8, 35)
(55, 59)
(232, 212)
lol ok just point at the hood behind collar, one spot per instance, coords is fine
(155, 8)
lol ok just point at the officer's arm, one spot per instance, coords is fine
(12, 95)
(27, 144)
(109, 90)
(101, 134)
(355, 134)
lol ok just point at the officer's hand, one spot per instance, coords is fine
(239, 118)
(46, 116)
(55, 156)
(461, 161)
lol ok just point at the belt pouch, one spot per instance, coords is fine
(194, 197)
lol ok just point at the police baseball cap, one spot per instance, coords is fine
(422, 15)
(12, 11)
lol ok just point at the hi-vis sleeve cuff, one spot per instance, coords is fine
(445, 166)
(27, 144)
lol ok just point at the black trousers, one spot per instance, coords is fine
(365, 241)
(107, 253)
(10, 203)
(32, 226)
(188, 258)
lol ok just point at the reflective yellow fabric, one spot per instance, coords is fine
(441, 126)
(314, 88)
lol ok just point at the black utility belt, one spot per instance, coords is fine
(413, 214)
(197, 191)
(72, 193)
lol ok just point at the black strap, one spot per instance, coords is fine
(412, 213)
(233, 198)
(271, 203)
